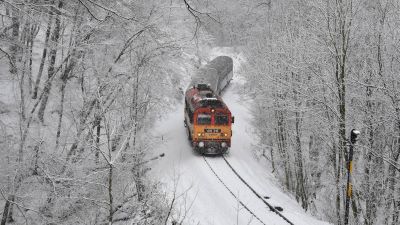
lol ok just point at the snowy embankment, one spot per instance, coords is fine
(200, 197)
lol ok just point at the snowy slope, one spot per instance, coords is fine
(201, 197)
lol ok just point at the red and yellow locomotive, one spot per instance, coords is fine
(207, 118)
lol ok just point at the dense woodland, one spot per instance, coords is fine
(84, 81)
(89, 78)
(317, 70)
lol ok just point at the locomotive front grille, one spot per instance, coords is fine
(212, 147)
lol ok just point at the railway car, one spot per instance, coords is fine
(217, 74)
(207, 118)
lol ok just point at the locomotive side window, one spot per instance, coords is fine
(221, 119)
(189, 111)
(203, 119)
(190, 115)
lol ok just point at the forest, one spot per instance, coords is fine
(82, 83)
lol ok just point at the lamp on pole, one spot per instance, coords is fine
(353, 139)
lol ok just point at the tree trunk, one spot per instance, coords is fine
(314, 154)
(396, 156)
(34, 30)
(15, 54)
(342, 151)
(300, 177)
(14, 49)
(282, 147)
(110, 195)
(44, 54)
(390, 194)
(272, 154)
(372, 166)
(86, 111)
(64, 79)
(6, 210)
(65, 76)
(10, 218)
(97, 124)
(61, 112)
(300, 180)
(53, 53)
(370, 201)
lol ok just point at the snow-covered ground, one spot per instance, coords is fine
(201, 198)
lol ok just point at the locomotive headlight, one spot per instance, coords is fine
(201, 144)
(199, 134)
(225, 134)
(223, 144)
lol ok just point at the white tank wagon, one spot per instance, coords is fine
(217, 74)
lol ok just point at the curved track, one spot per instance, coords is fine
(271, 208)
(230, 191)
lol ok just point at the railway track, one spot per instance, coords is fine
(271, 208)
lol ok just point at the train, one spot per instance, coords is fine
(208, 120)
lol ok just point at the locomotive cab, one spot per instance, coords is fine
(208, 121)
(211, 131)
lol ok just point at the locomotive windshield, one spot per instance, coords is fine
(204, 119)
(221, 120)
(213, 102)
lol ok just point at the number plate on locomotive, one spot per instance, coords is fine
(212, 130)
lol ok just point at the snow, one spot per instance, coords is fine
(200, 197)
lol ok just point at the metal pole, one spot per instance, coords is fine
(349, 189)
(349, 185)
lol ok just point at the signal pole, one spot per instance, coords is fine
(353, 139)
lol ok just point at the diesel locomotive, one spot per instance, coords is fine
(207, 118)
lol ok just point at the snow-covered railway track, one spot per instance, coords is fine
(273, 209)
(242, 203)
(230, 191)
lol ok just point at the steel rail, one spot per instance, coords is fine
(261, 198)
(230, 191)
